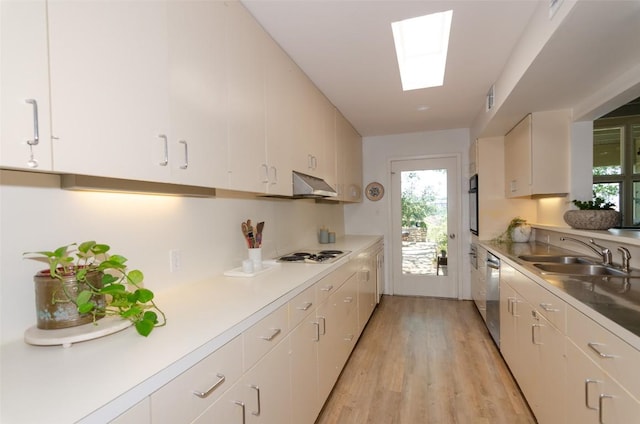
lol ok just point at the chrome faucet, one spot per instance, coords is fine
(626, 258)
(601, 251)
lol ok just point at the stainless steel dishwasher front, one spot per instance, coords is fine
(493, 297)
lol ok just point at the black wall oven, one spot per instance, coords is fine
(473, 204)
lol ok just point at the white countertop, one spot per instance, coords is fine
(95, 381)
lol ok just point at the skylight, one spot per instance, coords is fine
(421, 46)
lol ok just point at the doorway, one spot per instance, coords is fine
(424, 202)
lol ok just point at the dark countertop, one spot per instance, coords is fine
(616, 298)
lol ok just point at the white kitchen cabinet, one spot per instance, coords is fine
(367, 285)
(264, 335)
(24, 84)
(140, 413)
(109, 88)
(537, 154)
(528, 341)
(279, 119)
(246, 43)
(592, 395)
(305, 401)
(197, 93)
(195, 390)
(349, 161)
(479, 282)
(263, 394)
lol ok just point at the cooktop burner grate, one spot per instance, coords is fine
(323, 256)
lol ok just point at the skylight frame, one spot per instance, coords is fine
(422, 45)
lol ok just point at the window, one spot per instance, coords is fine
(616, 161)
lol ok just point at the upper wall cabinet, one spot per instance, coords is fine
(25, 138)
(137, 90)
(537, 155)
(349, 161)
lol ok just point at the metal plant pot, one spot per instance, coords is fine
(54, 305)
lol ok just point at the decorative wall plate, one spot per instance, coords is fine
(374, 191)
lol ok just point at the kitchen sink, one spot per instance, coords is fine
(555, 259)
(579, 269)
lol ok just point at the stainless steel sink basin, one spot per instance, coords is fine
(554, 259)
(578, 269)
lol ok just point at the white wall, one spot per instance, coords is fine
(373, 217)
(36, 215)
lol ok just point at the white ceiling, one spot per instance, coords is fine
(346, 48)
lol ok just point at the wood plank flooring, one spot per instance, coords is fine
(425, 361)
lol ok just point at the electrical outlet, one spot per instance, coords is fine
(175, 261)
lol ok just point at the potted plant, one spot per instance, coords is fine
(594, 214)
(518, 231)
(85, 283)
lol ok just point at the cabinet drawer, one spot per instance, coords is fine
(612, 354)
(332, 282)
(262, 337)
(177, 401)
(301, 306)
(545, 302)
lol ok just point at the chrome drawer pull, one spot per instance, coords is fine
(36, 132)
(241, 405)
(202, 395)
(547, 307)
(601, 406)
(317, 325)
(306, 306)
(593, 347)
(271, 336)
(533, 334)
(257, 389)
(348, 299)
(186, 154)
(324, 326)
(327, 288)
(165, 141)
(586, 392)
(349, 337)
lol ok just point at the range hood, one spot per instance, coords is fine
(307, 186)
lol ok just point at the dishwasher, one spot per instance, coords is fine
(493, 297)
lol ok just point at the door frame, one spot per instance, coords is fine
(392, 257)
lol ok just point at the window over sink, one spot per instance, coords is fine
(616, 160)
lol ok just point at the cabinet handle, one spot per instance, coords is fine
(305, 306)
(547, 307)
(241, 405)
(327, 288)
(349, 337)
(257, 389)
(185, 165)
(586, 392)
(271, 336)
(317, 325)
(348, 299)
(510, 305)
(265, 167)
(36, 132)
(315, 162)
(202, 395)
(165, 159)
(324, 326)
(533, 334)
(601, 406)
(601, 354)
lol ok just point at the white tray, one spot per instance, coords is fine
(237, 272)
(67, 336)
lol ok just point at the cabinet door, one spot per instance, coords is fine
(592, 396)
(366, 289)
(197, 93)
(279, 101)
(508, 316)
(517, 165)
(349, 161)
(24, 86)
(304, 371)
(329, 316)
(246, 42)
(109, 93)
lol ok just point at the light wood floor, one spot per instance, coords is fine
(422, 361)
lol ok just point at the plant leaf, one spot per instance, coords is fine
(150, 316)
(144, 327)
(114, 289)
(136, 277)
(144, 295)
(83, 308)
(83, 297)
(84, 247)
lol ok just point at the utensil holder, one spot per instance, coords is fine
(255, 254)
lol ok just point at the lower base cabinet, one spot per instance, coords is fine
(289, 382)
